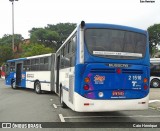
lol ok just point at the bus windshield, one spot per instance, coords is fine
(115, 44)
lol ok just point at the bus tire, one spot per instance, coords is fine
(13, 84)
(155, 83)
(63, 105)
(37, 87)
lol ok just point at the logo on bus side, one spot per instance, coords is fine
(30, 75)
(99, 79)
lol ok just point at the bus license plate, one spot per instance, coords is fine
(118, 93)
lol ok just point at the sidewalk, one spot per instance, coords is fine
(154, 99)
(155, 105)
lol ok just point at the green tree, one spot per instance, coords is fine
(35, 49)
(7, 39)
(53, 35)
(44, 36)
(63, 29)
(154, 37)
(5, 53)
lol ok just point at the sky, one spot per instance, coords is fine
(39, 13)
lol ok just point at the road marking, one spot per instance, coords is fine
(51, 99)
(54, 105)
(151, 101)
(61, 118)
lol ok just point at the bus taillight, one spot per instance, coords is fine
(86, 87)
(145, 87)
(87, 79)
(145, 80)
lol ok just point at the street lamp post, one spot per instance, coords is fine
(13, 23)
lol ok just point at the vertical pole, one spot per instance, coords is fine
(13, 26)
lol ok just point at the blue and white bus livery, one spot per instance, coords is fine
(35, 72)
(103, 67)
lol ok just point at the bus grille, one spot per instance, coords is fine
(124, 71)
(102, 70)
(132, 71)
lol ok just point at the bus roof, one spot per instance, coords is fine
(112, 26)
(19, 59)
(37, 56)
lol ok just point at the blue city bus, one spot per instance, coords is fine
(35, 72)
(103, 67)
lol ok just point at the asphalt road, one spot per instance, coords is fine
(24, 105)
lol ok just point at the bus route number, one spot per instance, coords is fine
(134, 77)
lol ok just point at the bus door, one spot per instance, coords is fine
(57, 74)
(18, 74)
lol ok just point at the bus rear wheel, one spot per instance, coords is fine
(13, 84)
(37, 87)
(155, 83)
(61, 99)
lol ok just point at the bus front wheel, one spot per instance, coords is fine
(155, 83)
(61, 99)
(13, 84)
(37, 87)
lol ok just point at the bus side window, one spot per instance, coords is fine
(46, 64)
(66, 58)
(37, 64)
(62, 58)
(73, 49)
(26, 65)
(32, 64)
(67, 48)
(73, 44)
(42, 64)
(12, 66)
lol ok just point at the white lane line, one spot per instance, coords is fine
(151, 101)
(51, 99)
(54, 105)
(61, 118)
(76, 117)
